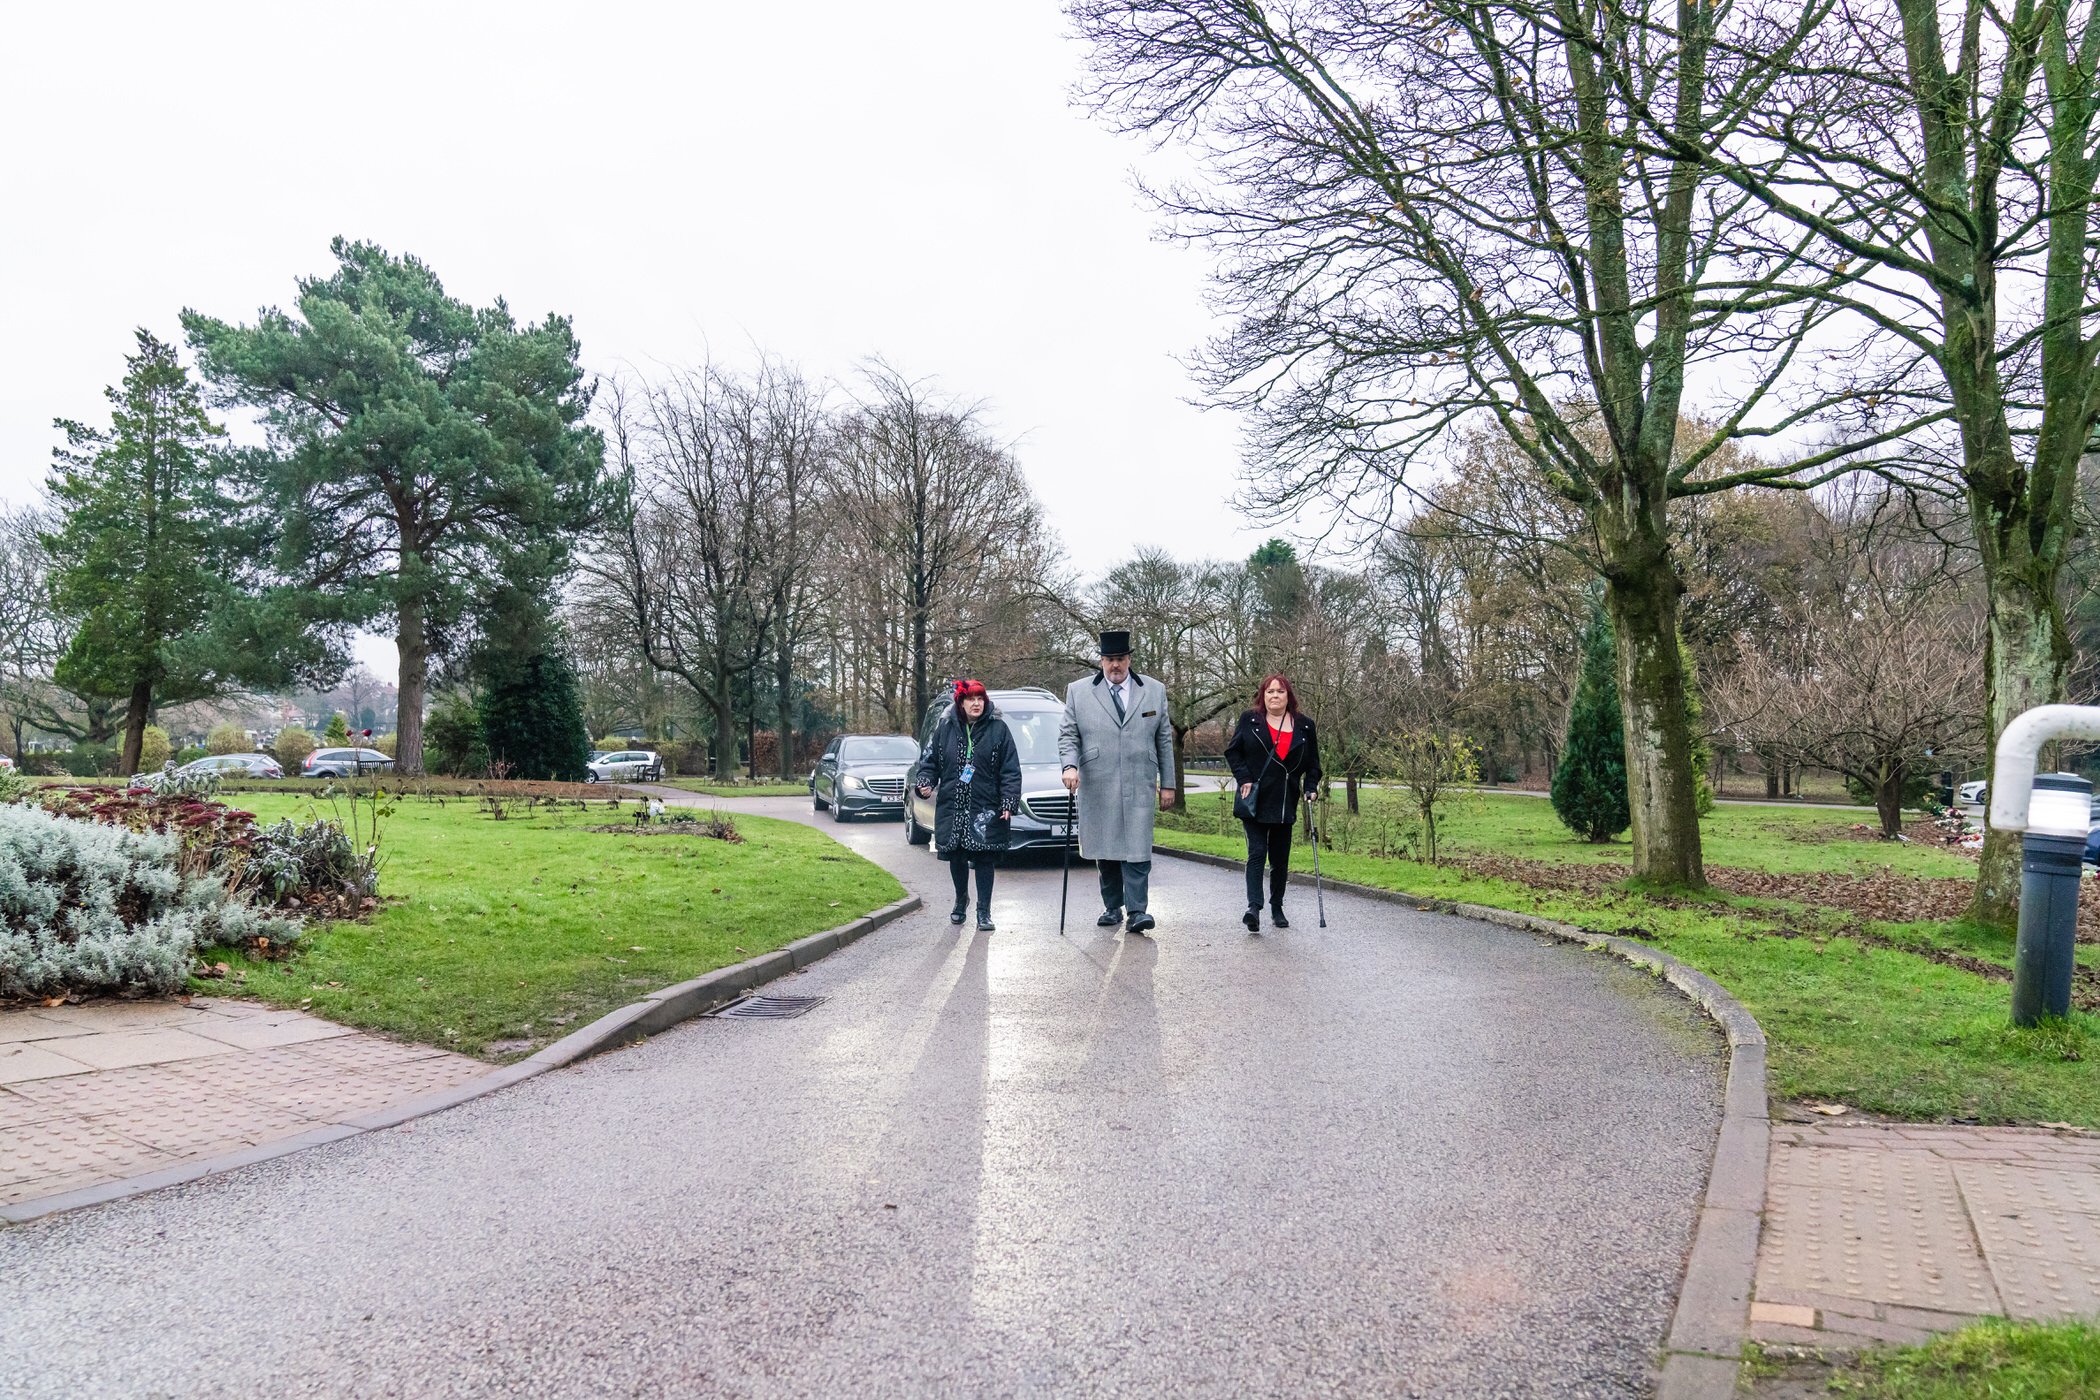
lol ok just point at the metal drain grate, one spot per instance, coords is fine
(770, 1008)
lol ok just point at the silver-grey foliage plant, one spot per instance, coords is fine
(92, 908)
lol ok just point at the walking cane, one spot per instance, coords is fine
(1319, 891)
(1065, 893)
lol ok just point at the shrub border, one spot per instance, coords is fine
(1702, 1351)
(658, 1011)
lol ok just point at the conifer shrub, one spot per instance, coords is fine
(338, 732)
(532, 719)
(1589, 786)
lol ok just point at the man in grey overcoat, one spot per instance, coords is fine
(1117, 748)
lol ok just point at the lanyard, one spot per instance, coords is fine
(969, 742)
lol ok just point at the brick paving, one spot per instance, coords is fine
(1878, 1233)
(102, 1091)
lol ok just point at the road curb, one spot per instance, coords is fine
(1702, 1351)
(637, 1021)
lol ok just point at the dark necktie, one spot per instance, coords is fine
(1115, 693)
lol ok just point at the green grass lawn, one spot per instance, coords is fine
(1851, 1020)
(498, 937)
(1999, 1360)
(738, 789)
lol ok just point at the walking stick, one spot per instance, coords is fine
(1319, 891)
(1065, 893)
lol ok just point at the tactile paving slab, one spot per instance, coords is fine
(1886, 1227)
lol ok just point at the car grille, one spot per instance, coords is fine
(889, 788)
(1055, 809)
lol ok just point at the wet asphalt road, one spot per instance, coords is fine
(1406, 1155)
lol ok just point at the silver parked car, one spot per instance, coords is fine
(1045, 817)
(863, 774)
(624, 766)
(345, 763)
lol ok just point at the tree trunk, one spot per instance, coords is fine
(1642, 597)
(414, 644)
(1350, 783)
(1771, 766)
(784, 716)
(725, 721)
(2027, 663)
(1888, 798)
(135, 727)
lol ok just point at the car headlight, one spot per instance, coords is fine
(851, 783)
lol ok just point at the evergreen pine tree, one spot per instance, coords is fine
(1589, 787)
(338, 731)
(532, 718)
(153, 554)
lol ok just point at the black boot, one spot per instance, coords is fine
(1276, 916)
(984, 921)
(960, 912)
(1252, 919)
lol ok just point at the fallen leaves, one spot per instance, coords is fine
(1828, 1110)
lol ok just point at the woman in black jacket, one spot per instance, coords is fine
(1275, 758)
(973, 772)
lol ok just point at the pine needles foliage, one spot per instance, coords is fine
(1589, 786)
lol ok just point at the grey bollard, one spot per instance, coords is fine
(2051, 854)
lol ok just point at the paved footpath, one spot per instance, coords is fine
(1889, 1232)
(1405, 1155)
(106, 1091)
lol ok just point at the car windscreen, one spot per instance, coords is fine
(1035, 733)
(889, 748)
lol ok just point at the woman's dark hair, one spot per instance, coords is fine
(1290, 695)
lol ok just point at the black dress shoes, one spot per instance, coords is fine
(958, 913)
(1109, 918)
(1276, 916)
(1252, 919)
(1139, 923)
(984, 924)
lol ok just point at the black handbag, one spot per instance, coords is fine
(1243, 804)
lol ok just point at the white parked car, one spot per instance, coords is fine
(625, 766)
(1972, 794)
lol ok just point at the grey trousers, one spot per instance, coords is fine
(1124, 884)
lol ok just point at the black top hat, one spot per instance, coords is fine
(1115, 643)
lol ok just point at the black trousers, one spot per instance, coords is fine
(987, 864)
(1271, 843)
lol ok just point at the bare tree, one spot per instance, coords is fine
(1943, 160)
(1438, 217)
(941, 523)
(1890, 692)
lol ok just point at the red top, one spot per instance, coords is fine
(1282, 738)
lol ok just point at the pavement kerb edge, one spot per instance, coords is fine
(1702, 1350)
(628, 1025)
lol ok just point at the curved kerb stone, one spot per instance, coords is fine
(658, 1011)
(1703, 1349)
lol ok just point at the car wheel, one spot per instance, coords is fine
(914, 833)
(838, 813)
(590, 776)
(817, 802)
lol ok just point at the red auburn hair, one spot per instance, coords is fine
(965, 689)
(1290, 695)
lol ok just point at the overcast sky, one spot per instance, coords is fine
(828, 180)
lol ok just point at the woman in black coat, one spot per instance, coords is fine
(972, 770)
(1275, 759)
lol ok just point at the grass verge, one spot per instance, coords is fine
(499, 937)
(713, 788)
(2000, 1360)
(1861, 1012)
